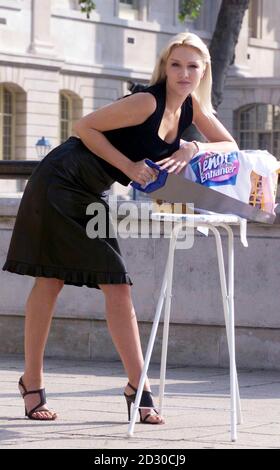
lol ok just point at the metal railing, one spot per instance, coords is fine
(17, 169)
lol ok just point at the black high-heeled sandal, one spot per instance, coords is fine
(145, 402)
(43, 401)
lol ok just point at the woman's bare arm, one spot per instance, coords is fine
(125, 112)
(219, 139)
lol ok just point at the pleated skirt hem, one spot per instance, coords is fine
(69, 276)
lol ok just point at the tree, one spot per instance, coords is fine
(222, 47)
(87, 6)
(223, 42)
(189, 8)
(224, 39)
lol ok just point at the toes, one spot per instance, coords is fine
(156, 419)
(49, 415)
(45, 415)
(159, 419)
(37, 415)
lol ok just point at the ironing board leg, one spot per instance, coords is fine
(148, 354)
(170, 265)
(232, 335)
(229, 321)
(231, 268)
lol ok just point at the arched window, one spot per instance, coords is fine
(258, 127)
(7, 123)
(66, 116)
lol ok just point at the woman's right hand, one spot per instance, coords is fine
(140, 172)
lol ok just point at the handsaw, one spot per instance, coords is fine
(179, 189)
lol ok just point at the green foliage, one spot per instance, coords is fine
(190, 9)
(87, 6)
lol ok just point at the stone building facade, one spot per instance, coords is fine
(56, 65)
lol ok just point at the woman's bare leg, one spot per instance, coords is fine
(39, 310)
(123, 327)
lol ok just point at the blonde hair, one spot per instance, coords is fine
(204, 89)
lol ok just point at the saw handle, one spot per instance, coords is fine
(154, 184)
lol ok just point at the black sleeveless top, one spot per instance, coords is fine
(142, 141)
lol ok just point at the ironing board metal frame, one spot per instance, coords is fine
(212, 222)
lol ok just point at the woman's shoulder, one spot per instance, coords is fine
(142, 100)
(153, 95)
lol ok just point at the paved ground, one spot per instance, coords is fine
(93, 415)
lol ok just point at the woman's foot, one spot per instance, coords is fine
(35, 401)
(154, 418)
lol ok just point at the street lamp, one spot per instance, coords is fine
(43, 146)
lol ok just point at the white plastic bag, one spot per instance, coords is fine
(230, 173)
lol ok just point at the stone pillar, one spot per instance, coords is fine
(41, 42)
(116, 8)
(143, 10)
(175, 12)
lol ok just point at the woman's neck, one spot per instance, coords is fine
(173, 101)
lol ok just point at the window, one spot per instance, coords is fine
(130, 2)
(7, 123)
(129, 9)
(255, 16)
(259, 127)
(66, 118)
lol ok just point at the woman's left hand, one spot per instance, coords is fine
(179, 159)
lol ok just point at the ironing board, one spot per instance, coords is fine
(203, 222)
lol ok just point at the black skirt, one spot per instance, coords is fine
(50, 238)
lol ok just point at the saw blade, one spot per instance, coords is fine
(179, 189)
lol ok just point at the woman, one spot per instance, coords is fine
(49, 240)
